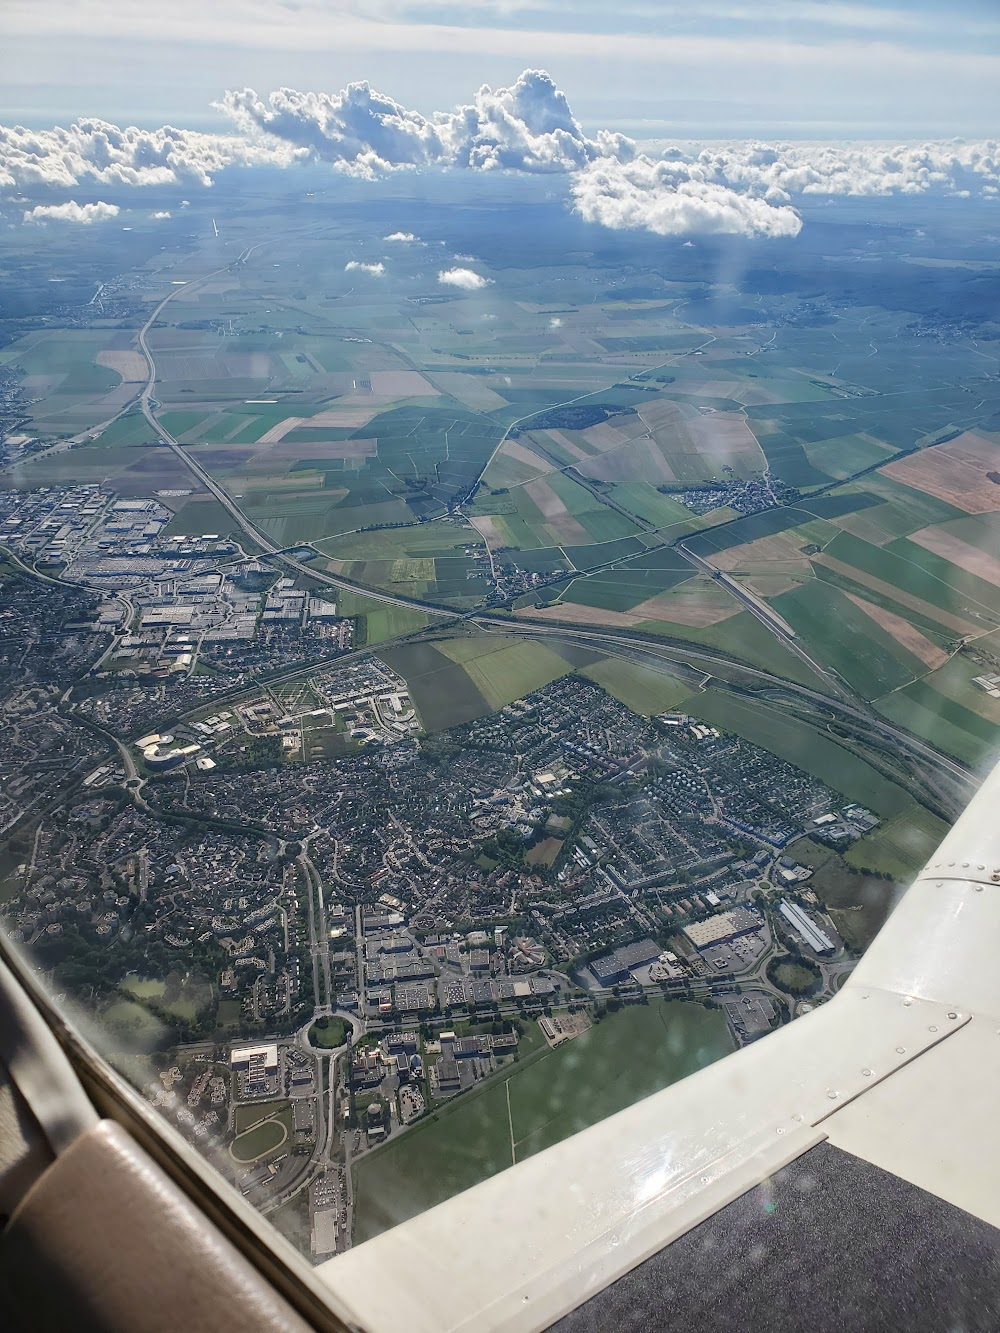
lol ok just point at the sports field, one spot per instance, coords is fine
(543, 1098)
(261, 1129)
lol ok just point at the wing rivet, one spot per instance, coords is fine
(979, 887)
(867, 1073)
(953, 1015)
(932, 1028)
(831, 1094)
(900, 1050)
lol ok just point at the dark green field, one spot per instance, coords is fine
(858, 649)
(553, 1093)
(442, 691)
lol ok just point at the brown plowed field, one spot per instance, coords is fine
(954, 472)
(905, 634)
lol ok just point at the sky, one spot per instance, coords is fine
(711, 117)
(650, 68)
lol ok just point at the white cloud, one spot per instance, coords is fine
(358, 266)
(94, 150)
(749, 189)
(162, 213)
(71, 211)
(779, 172)
(665, 198)
(466, 278)
(752, 189)
(526, 127)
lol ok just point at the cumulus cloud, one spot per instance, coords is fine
(358, 266)
(71, 211)
(666, 198)
(466, 278)
(96, 151)
(526, 127)
(780, 172)
(162, 213)
(751, 189)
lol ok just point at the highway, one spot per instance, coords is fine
(621, 644)
(765, 614)
(146, 400)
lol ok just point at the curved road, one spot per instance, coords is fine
(697, 652)
(220, 493)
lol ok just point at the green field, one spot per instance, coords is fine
(246, 1117)
(263, 1138)
(901, 847)
(183, 997)
(381, 620)
(919, 572)
(858, 903)
(859, 650)
(745, 638)
(795, 976)
(503, 670)
(944, 723)
(455, 680)
(228, 1013)
(632, 582)
(641, 688)
(552, 1094)
(128, 1025)
(955, 680)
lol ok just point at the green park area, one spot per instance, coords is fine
(176, 995)
(795, 976)
(544, 1097)
(328, 1033)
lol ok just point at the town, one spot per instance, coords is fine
(305, 922)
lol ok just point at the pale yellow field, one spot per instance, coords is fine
(130, 365)
(959, 552)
